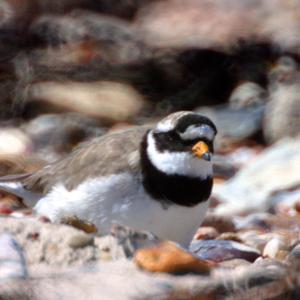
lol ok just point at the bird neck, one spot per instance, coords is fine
(172, 188)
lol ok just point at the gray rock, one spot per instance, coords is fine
(59, 133)
(274, 246)
(282, 118)
(247, 94)
(105, 101)
(252, 188)
(255, 239)
(294, 257)
(220, 250)
(80, 240)
(286, 199)
(260, 221)
(284, 70)
(223, 166)
(14, 142)
(234, 124)
(221, 223)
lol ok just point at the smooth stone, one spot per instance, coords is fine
(286, 201)
(60, 133)
(167, 257)
(247, 94)
(80, 240)
(14, 142)
(234, 123)
(285, 102)
(284, 70)
(206, 233)
(252, 188)
(220, 223)
(105, 101)
(294, 258)
(259, 221)
(221, 250)
(275, 247)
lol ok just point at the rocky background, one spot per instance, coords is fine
(74, 69)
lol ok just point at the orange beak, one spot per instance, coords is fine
(201, 150)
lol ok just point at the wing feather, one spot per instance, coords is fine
(109, 154)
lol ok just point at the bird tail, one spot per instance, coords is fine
(13, 184)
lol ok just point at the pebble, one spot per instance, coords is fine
(284, 70)
(230, 236)
(221, 250)
(105, 101)
(297, 206)
(79, 240)
(9, 203)
(5, 209)
(169, 258)
(206, 233)
(247, 94)
(294, 258)
(259, 221)
(255, 238)
(287, 202)
(223, 167)
(285, 102)
(80, 224)
(14, 142)
(60, 133)
(276, 248)
(220, 223)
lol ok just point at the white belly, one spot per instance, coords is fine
(121, 199)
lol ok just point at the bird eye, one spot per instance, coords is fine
(175, 135)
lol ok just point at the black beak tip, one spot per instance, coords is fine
(207, 156)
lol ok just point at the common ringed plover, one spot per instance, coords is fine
(158, 180)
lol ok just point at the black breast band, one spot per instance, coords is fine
(179, 189)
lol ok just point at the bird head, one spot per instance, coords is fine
(182, 144)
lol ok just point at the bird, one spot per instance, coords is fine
(156, 179)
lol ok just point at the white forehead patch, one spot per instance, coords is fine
(168, 123)
(180, 163)
(198, 131)
(165, 126)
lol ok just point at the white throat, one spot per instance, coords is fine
(180, 163)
